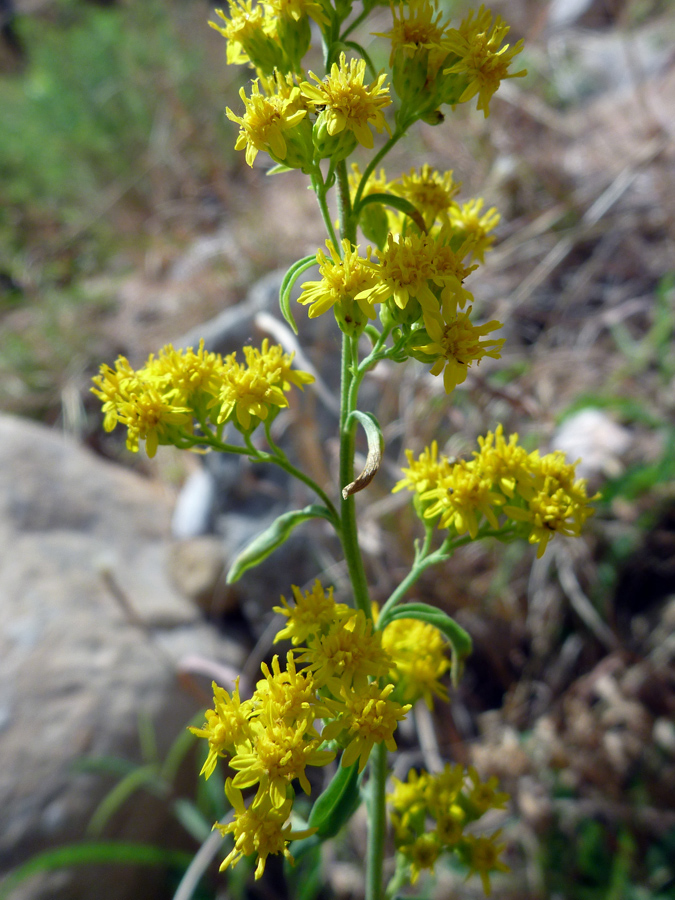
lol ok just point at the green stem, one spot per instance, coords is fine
(278, 458)
(320, 191)
(347, 225)
(379, 156)
(350, 538)
(425, 560)
(377, 822)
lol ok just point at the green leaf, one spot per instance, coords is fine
(279, 169)
(290, 278)
(93, 853)
(143, 777)
(460, 640)
(399, 203)
(272, 538)
(332, 809)
(191, 819)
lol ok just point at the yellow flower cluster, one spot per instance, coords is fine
(271, 738)
(279, 120)
(432, 64)
(431, 812)
(540, 495)
(417, 277)
(160, 402)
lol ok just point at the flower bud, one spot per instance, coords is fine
(336, 147)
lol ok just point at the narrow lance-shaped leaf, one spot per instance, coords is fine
(396, 202)
(290, 278)
(272, 538)
(332, 809)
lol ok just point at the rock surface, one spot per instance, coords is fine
(92, 631)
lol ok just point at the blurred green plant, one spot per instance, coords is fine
(157, 776)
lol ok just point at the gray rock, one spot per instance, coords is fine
(92, 632)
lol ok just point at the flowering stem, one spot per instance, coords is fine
(357, 21)
(347, 224)
(370, 168)
(320, 190)
(278, 458)
(377, 822)
(350, 538)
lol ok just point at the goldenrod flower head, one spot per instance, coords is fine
(114, 387)
(449, 824)
(226, 725)
(276, 755)
(422, 854)
(444, 787)
(483, 795)
(344, 281)
(418, 27)
(347, 102)
(377, 181)
(467, 222)
(250, 36)
(264, 122)
(364, 717)
(425, 472)
(254, 390)
(286, 695)
(463, 496)
(429, 191)
(506, 463)
(349, 654)
(410, 796)
(151, 417)
(456, 344)
(476, 43)
(482, 854)
(420, 661)
(260, 830)
(314, 612)
(404, 271)
(192, 378)
(297, 10)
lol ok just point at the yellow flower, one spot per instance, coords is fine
(263, 124)
(476, 43)
(482, 857)
(484, 795)
(261, 829)
(277, 754)
(114, 387)
(348, 103)
(422, 854)
(410, 796)
(456, 344)
(429, 191)
(191, 378)
(347, 655)
(462, 497)
(423, 473)
(314, 611)
(226, 725)
(404, 271)
(250, 36)
(297, 10)
(254, 390)
(342, 280)
(467, 222)
(419, 654)
(365, 717)
(421, 30)
(286, 695)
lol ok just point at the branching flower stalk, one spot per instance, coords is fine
(393, 272)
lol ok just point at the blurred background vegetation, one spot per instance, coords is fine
(126, 219)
